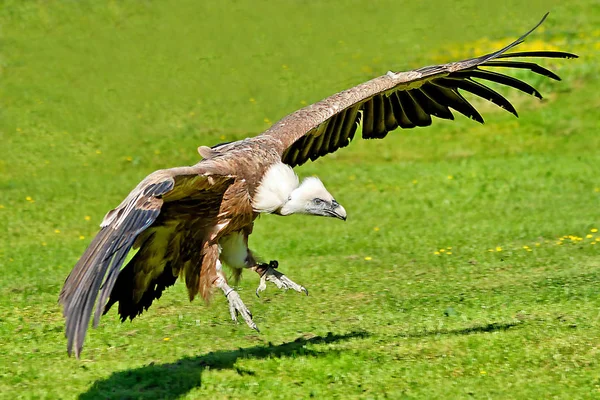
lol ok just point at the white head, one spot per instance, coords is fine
(279, 193)
(312, 198)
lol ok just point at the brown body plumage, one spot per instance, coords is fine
(188, 221)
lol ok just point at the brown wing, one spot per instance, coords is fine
(97, 270)
(405, 99)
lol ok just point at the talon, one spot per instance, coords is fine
(262, 286)
(278, 279)
(237, 308)
(232, 312)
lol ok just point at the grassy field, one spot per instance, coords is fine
(469, 266)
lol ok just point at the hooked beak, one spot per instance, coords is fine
(338, 211)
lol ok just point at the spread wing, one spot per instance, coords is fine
(404, 99)
(97, 270)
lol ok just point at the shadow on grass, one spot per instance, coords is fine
(170, 381)
(492, 327)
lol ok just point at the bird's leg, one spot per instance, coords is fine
(236, 305)
(267, 272)
(236, 254)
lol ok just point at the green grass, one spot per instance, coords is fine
(95, 95)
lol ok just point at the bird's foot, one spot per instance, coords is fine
(279, 279)
(237, 307)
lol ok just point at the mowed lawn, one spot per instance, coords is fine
(469, 266)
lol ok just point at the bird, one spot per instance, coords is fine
(190, 222)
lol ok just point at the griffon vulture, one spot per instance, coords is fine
(190, 221)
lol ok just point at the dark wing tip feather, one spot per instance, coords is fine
(502, 79)
(114, 244)
(480, 90)
(104, 257)
(521, 39)
(498, 53)
(540, 53)
(538, 69)
(411, 98)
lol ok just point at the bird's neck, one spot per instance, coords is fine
(275, 189)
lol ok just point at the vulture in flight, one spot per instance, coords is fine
(189, 222)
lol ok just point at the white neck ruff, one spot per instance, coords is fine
(275, 188)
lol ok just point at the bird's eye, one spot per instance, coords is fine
(318, 201)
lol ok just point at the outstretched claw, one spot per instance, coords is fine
(237, 307)
(279, 279)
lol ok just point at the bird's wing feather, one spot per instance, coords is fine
(405, 99)
(98, 268)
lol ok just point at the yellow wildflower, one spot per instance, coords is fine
(588, 236)
(450, 177)
(593, 230)
(437, 253)
(267, 120)
(57, 231)
(81, 237)
(166, 339)
(498, 248)
(98, 151)
(376, 229)
(129, 158)
(87, 218)
(449, 253)
(367, 258)
(29, 199)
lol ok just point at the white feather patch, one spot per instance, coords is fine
(312, 188)
(234, 251)
(275, 188)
